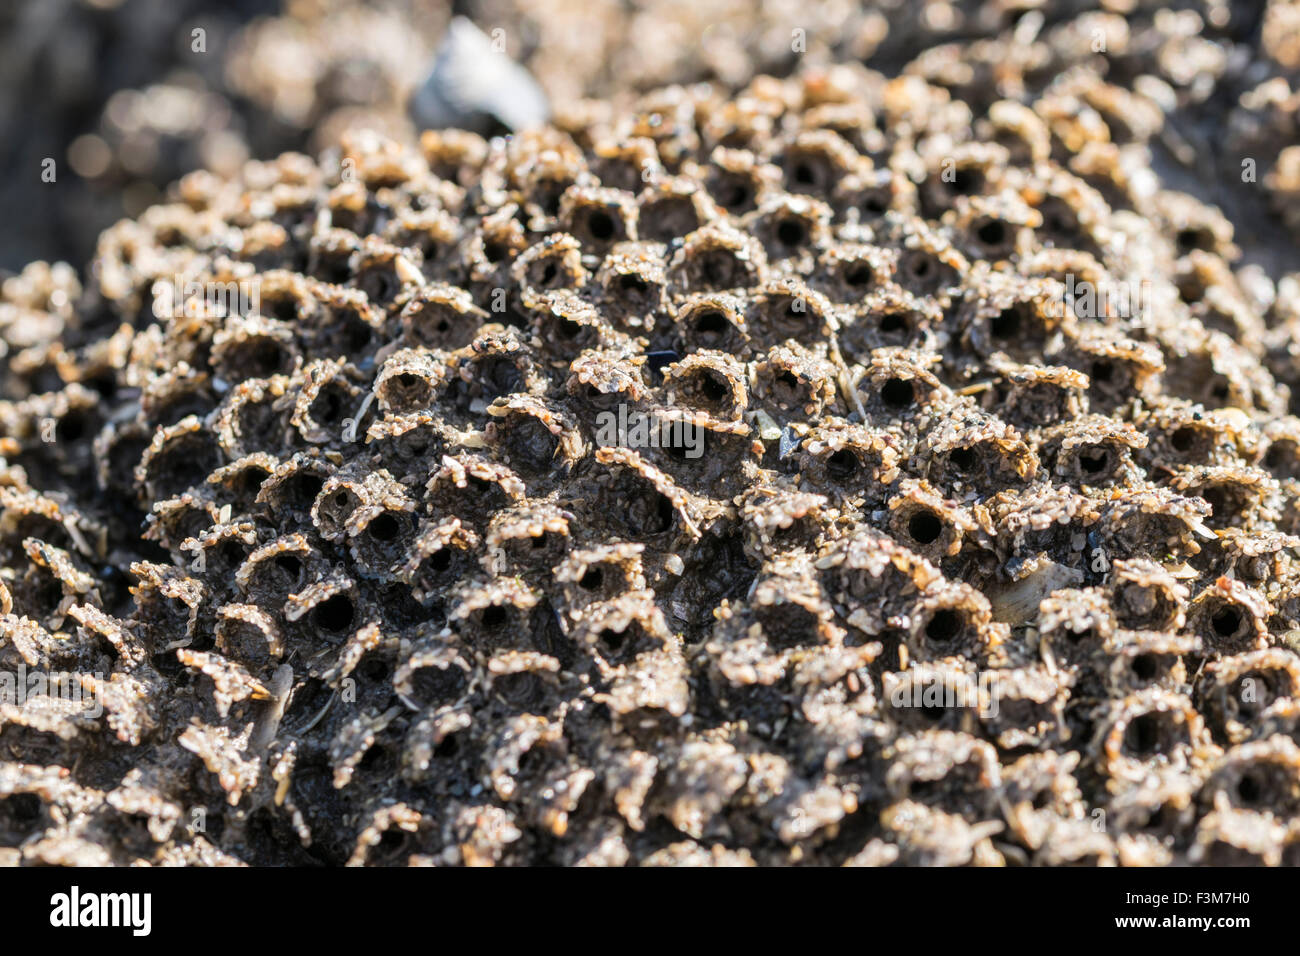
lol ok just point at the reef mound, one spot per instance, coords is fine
(965, 531)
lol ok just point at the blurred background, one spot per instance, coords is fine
(128, 95)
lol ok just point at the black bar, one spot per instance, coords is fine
(1005, 906)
